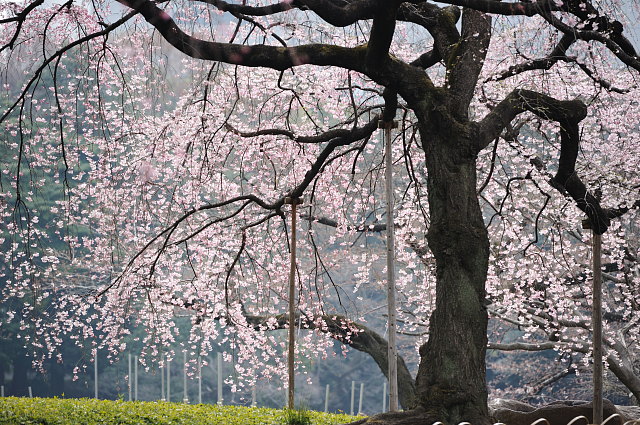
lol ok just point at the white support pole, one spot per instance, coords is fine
(129, 376)
(220, 398)
(353, 397)
(254, 396)
(168, 379)
(391, 285)
(1, 390)
(95, 374)
(326, 398)
(135, 378)
(30, 392)
(384, 397)
(199, 380)
(185, 398)
(361, 396)
(162, 393)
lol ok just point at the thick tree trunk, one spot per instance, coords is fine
(451, 382)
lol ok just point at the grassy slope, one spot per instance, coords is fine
(54, 411)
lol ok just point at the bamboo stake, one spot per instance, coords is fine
(596, 324)
(391, 284)
(596, 319)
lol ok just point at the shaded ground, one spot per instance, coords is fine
(512, 412)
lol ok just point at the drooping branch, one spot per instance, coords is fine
(568, 114)
(37, 73)
(353, 334)
(522, 346)
(20, 19)
(592, 19)
(320, 162)
(615, 361)
(618, 45)
(558, 53)
(315, 139)
(164, 237)
(374, 228)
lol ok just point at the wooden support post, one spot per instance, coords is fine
(596, 324)
(294, 202)
(391, 284)
(95, 374)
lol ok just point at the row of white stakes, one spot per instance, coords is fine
(28, 388)
(541, 421)
(166, 389)
(166, 384)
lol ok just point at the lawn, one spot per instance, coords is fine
(58, 411)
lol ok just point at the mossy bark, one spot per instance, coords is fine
(451, 382)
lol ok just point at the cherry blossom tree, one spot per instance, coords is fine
(175, 131)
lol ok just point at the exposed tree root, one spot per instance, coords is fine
(419, 416)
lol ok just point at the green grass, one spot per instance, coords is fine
(297, 417)
(56, 411)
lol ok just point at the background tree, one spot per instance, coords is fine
(188, 195)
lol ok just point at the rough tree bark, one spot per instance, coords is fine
(451, 379)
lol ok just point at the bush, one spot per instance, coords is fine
(55, 411)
